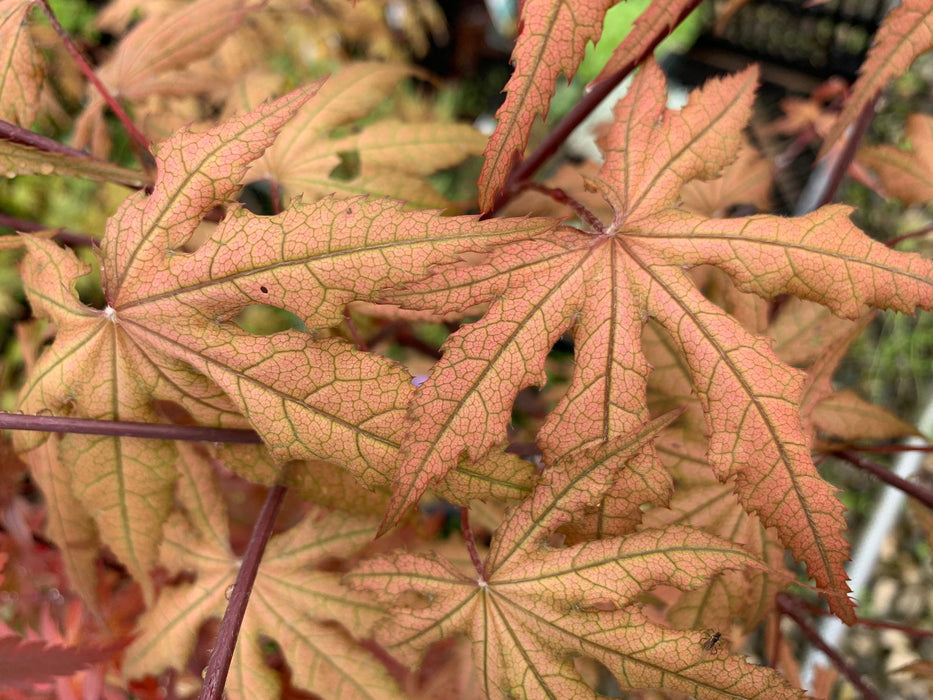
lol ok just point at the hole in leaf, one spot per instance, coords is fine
(597, 676)
(533, 404)
(348, 168)
(262, 319)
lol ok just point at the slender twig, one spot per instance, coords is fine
(62, 235)
(790, 606)
(559, 195)
(519, 176)
(18, 134)
(155, 431)
(354, 332)
(471, 542)
(906, 236)
(908, 630)
(215, 676)
(135, 134)
(882, 473)
(840, 164)
(886, 449)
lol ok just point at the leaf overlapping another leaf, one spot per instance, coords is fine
(291, 602)
(905, 33)
(603, 285)
(395, 158)
(534, 608)
(166, 332)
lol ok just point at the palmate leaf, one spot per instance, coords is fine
(167, 333)
(290, 602)
(535, 608)
(603, 286)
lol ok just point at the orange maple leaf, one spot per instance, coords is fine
(21, 65)
(551, 38)
(905, 33)
(603, 285)
(533, 607)
(167, 331)
(291, 601)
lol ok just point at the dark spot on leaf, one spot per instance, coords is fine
(263, 290)
(349, 211)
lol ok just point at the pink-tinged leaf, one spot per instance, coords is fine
(98, 368)
(21, 69)
(535, 606)
(291, 601)
(904, 34)
(907, 175)
(551, 39)
(604, 285)
(167, 333)
(68, 523)
(648, 30)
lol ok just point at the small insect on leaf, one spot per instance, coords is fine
(711, 642)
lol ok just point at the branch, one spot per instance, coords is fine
(135, 134)
(18, 134)
(840, 165)
(471, 542)
(791, 607)
(215, 675)
(591, 99)
(116, 428)
(62, 236)
(882, 473)
(907, 236)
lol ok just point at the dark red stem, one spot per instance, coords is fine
(155, 431)
(791, 607)
(520, 175)
(840, 165)
(142, 143)
(63, 236)
(887, 449)
(559, 195)
(471, 542)
(215, 676)
(906, 236)
(18, 134)
(882, 473)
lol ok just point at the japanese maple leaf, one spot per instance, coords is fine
(151, 60)
(395, 158)
(167, 333)
(551, 41)
(533, 607)
(291, 602)
(21, 66)
(603, 285)
(905, 33)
